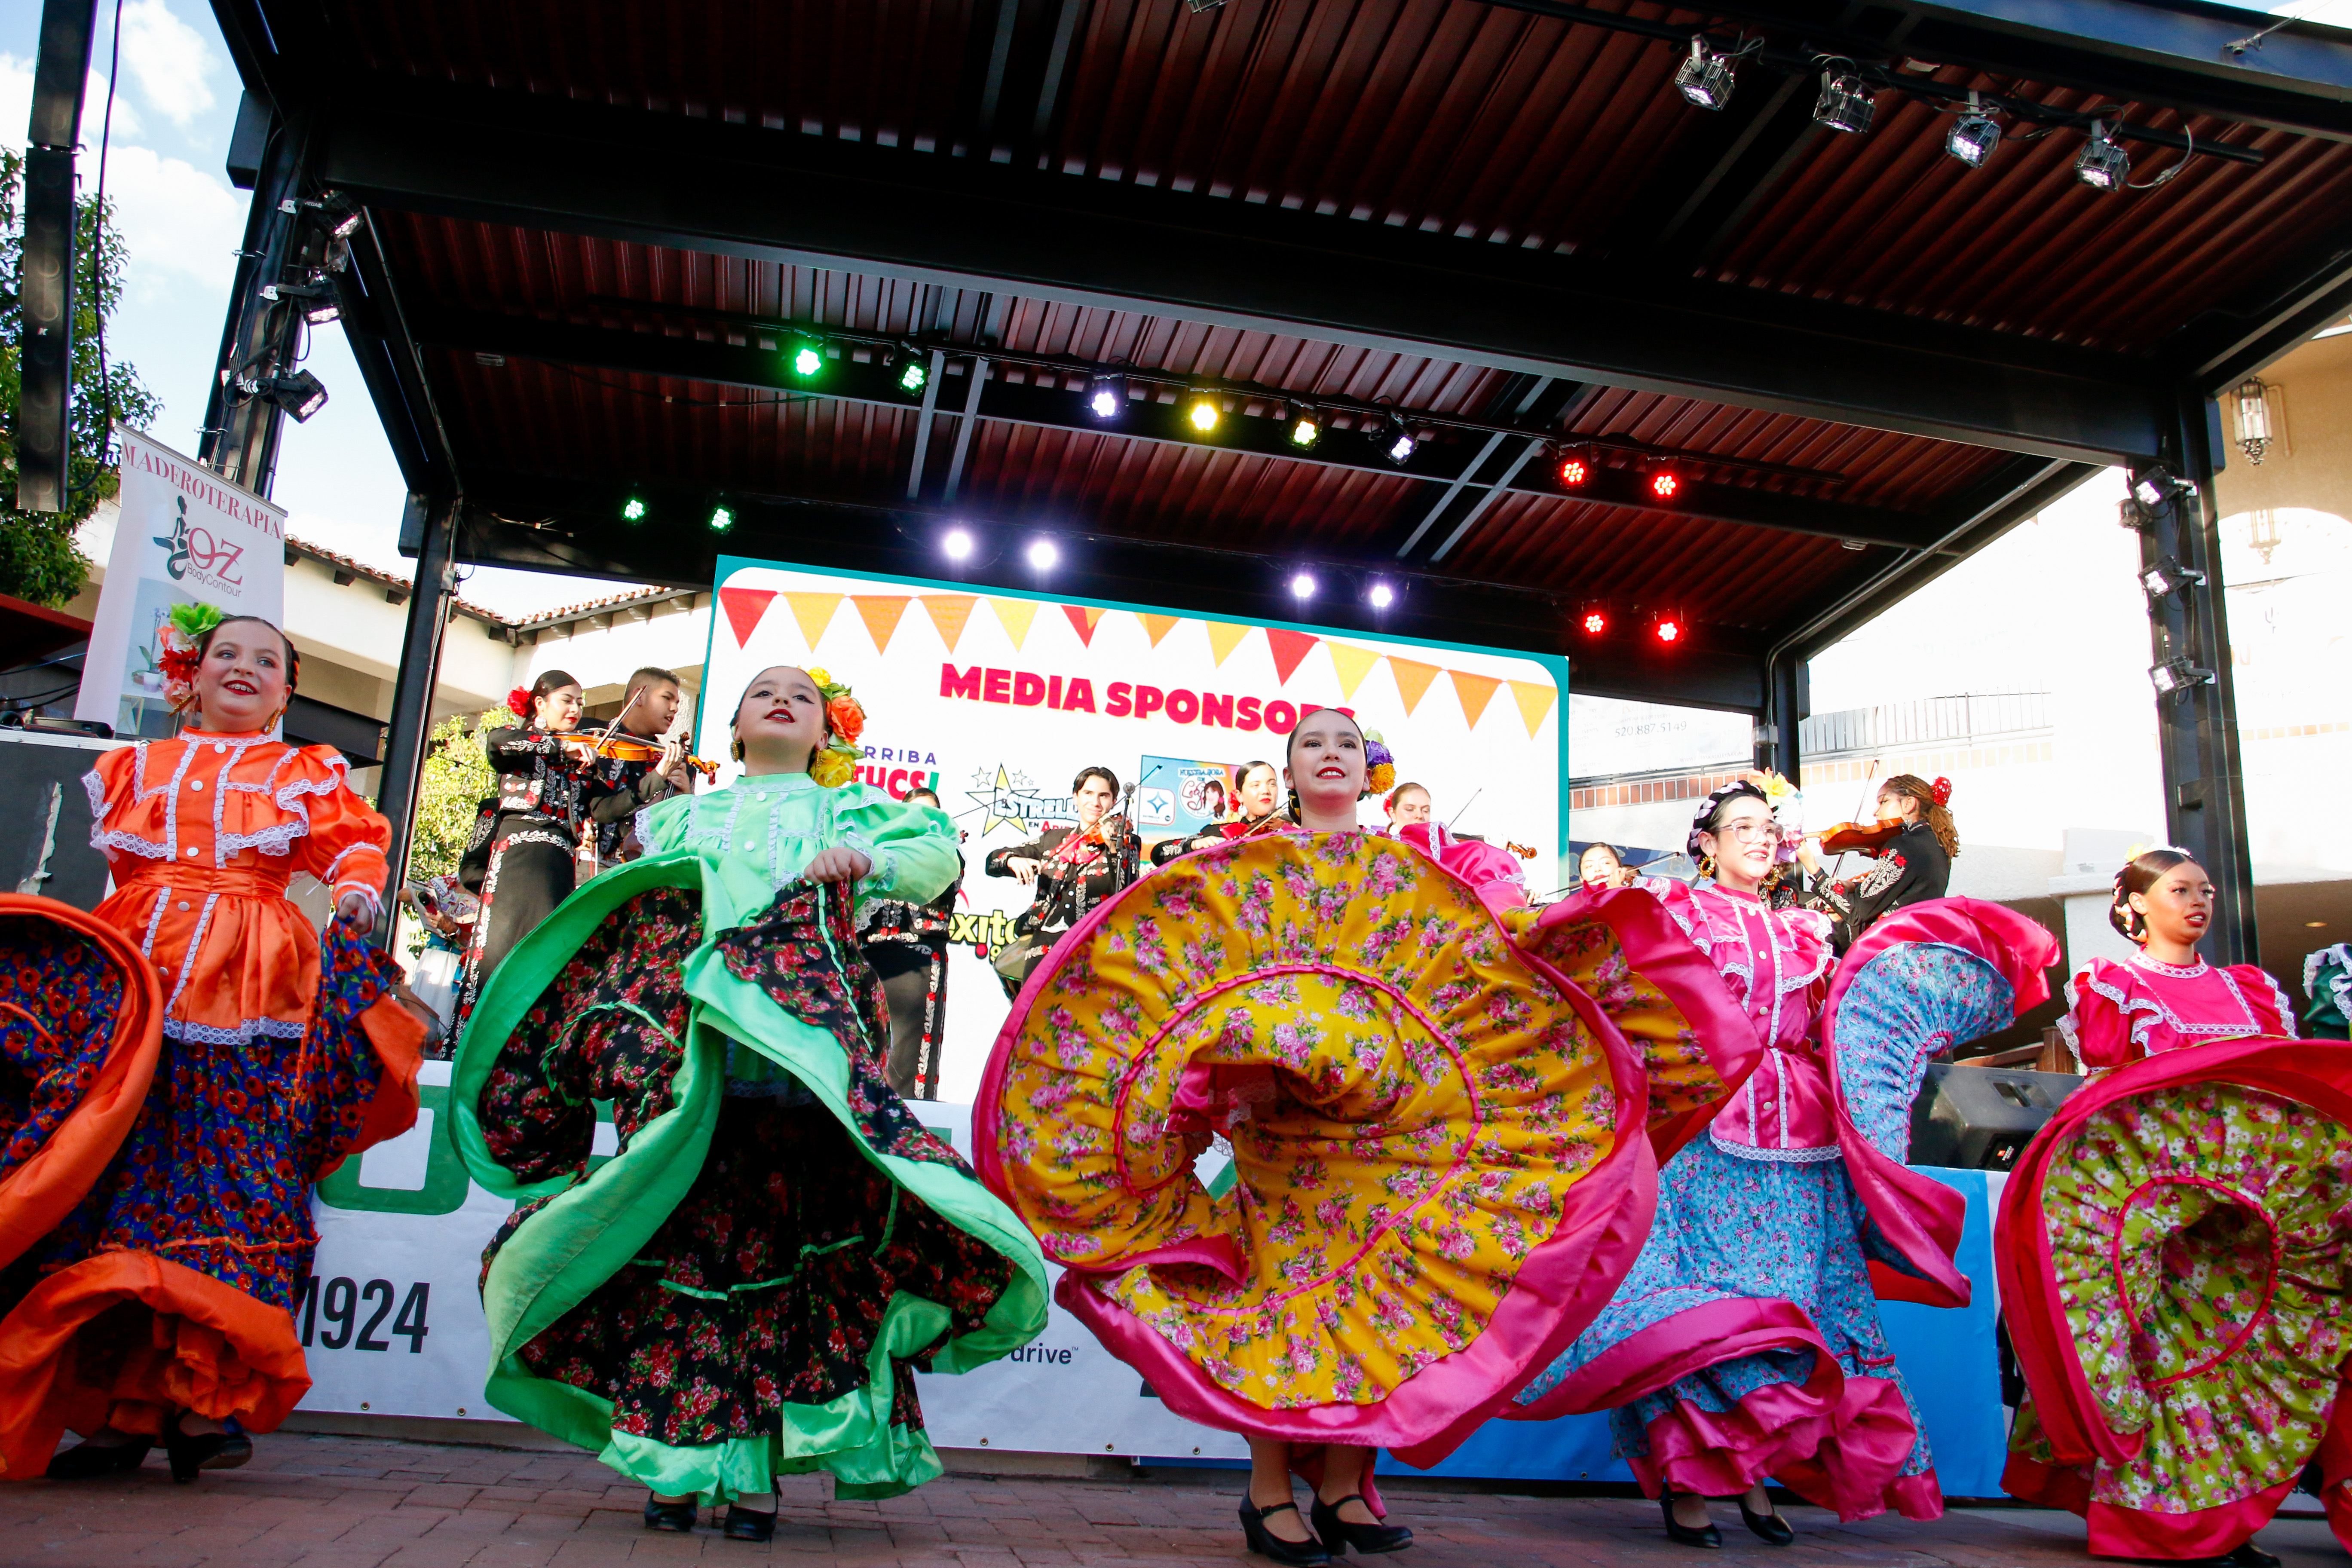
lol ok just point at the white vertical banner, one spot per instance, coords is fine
(186, 536)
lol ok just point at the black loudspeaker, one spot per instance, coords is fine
(1981, 1119)
(45, 819)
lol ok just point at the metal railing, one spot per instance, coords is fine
(1929, 721)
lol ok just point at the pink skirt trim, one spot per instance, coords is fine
(2138, 1532)
(1837, 1442)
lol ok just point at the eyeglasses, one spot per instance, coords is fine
(1748, 832)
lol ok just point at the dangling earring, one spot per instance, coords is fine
(1294, 802)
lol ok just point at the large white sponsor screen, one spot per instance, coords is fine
(997, 698)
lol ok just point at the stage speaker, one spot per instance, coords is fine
(45, 818)
(1981, 1119)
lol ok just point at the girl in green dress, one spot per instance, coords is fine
(747, 1288)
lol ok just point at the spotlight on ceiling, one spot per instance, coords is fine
(1106, 396)
(2102, 164)
(804, 355)
(317, 298)
(300, 395)
(956, 545)
(2155, 485)
(721, 519)
(1305, 428)
(2169, 576)
(1592, 620)
(914, 369)
(1704, 79)
(1399, 442)
(1574, 470)
(1302, 584)
(1665, 484)
(1042, 554)
(633, 511)
(1973, 136)
(1666, 626)
(1381, 595)
(1201, 412)
(2177, 675)
(1844, 103)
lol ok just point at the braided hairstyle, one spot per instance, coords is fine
(2140, 873)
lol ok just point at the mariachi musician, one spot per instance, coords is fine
(653, 770)
(1073, 869)
(1914, 842)
(1255, 792)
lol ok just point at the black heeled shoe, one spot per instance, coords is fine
(677, 1518)
(1266, 1543)
(190, 1452)
(1337, 1534)
(88, 1461)
(2249, 1555)
(1706, 1536)
(749, 1524)
(1767, 1527)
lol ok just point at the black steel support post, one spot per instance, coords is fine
(1788, 700)
(44, 397)
(2196, 718)
(241, 430)
(431, 525)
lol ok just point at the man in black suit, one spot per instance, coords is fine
(1073, 869)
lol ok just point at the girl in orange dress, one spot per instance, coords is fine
(160, 1309)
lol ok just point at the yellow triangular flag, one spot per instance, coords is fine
(881, 611)
(1016, 615)
(1223, 638)
(1354, 663)
(1156, 626)
(814, 613)
(1475, 691)
(1535, 701)
(1413, 679)
(948, 614)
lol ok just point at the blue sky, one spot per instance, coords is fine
(182, 222)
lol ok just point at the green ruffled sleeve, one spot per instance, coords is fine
(913, 847)
(661, 826)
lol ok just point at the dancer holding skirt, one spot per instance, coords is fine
(2174, 1250)
(746, 1289)
(1441, 1171)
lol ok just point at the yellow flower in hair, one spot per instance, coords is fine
(832, 768)
(820, 677)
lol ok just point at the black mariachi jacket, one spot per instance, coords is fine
(1066, 891)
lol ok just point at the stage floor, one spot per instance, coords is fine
(348, 1502)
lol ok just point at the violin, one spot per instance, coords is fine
(626, 749)
(1524, 852)
(1867, 836)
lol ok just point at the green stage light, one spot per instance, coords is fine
(721, 519)
(633, 511)
(806, 357)
(914, 370)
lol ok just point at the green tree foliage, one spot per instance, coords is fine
(457, 778)
(38, 558)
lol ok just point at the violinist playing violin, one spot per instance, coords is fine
(1913, 841)
(1073, 869)
(653, 770)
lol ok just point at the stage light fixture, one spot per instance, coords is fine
(1704, 79)
(317, 300)
(1106, 396)
(914, 369)
(1973, 136)
(1381, 595)
(1044, 555)
(805, 355)
(1573, 471)
(633, 511)
(721, 519)
(300, 395)
(1302, 584)
(1201, 412)
(2170, 576)
(956, 545)
(1306, 429)
(1593, 620)
(2177, 675)
(2155, 485)
(1666, 626)
(1398, 443)
(2102, 164)
(1665, 484)
(1845, 104)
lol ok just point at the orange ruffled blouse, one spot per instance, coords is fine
(203, 833)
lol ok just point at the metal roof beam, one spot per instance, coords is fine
(1028, 403)
(540, 162)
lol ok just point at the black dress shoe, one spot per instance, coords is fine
(1339, 1535)
(1705, 1535)
(1770, 1527)
(87, 1461)
(190, 1452)
(2250, 1556)
(677, 1518)
(749, 1524)
(1266, 1543)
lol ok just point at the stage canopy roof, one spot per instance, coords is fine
(857, 270)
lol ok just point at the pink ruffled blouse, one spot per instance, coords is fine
(1775, 963)
(1493, 874)
(2121, 1012)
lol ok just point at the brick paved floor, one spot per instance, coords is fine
(348, 1502)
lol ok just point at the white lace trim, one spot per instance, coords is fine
(2145, 1013)
(289, 798)
(2340, 988)
(276, 839)
(211, 1035)
(96, 788)
(1820, 1155)
(187, 959)
(2140, 960)
(2286, 1008)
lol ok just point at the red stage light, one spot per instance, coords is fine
(1572, 471)
(1668, 629)
(1595, 622)
(1664, 484)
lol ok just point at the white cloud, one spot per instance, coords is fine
(168, 60)
(15, 100)
(173, 218)
(93, 113)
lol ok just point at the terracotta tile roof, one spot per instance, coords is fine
(482, 613)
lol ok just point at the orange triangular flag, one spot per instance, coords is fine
(1015, 616)
(1354, 663)
(1082, 621)
(1288, 647)
(949, 613)
(814, 613)
(1534, 702)
(744, 606)
(1475, 691)
(1413, 679)
(1156, 626)
(880, 613)
(1223, 638)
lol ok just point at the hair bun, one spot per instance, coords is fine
(1942, 791)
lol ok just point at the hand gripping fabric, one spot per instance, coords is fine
(2175, 1255)
(1442, 1176)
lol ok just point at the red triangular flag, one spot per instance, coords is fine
(744, 607)
(1083, 619)
(1288, 647)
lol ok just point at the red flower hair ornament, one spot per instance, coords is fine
(1942, 791)
(519, 703)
